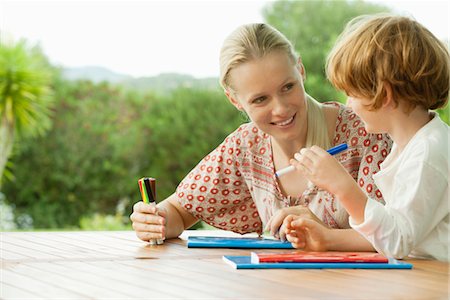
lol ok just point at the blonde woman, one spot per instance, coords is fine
(234, 187)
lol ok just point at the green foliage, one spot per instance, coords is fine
(180, 130)
(102, 141)
(25, 102)
(6, 215)
(105, 222)
(98, 221)
(25, 78)
(313, 26)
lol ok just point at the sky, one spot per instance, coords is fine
(147, 38)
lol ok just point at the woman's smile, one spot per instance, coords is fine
(286, 122)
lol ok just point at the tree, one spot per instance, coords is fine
(25, 78)
(313, 26)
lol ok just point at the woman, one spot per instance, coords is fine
(235, 187)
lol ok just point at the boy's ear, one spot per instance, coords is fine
(389, 99)
(233, 100)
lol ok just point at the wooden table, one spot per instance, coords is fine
(116, 265)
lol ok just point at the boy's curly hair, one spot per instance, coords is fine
(379, 50)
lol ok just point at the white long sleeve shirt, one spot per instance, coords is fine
(414, 183)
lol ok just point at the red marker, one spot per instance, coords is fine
(147, 187)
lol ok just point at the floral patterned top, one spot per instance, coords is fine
(234, 187)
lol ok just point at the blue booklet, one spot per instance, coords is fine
(244, 262)
(242, 243)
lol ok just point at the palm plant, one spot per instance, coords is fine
(25, 78)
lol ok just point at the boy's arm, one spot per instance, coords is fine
(327, 173)
(348, 240)
(310, 235)
(352, 198)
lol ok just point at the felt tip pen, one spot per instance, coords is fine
(147, 187)
(332, 151)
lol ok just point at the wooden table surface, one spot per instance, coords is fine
(116, 265)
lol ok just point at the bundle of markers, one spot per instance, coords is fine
(147, 186)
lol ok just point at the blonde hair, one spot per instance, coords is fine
(384, 49)
(254, 41)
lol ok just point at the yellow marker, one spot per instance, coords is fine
(147, 187)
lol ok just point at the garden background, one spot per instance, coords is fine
(72, 150)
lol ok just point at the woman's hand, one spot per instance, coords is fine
(307, 234)
(148, 221)
(276, 225)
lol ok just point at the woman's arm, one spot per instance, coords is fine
(178, 219)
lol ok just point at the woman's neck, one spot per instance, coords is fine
(284, 150)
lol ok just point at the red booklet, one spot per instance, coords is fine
(312, 257)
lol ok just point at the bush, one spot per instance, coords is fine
(103, 140)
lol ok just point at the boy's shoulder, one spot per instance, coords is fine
(434, 135)
(431, 144)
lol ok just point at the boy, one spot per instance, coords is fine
(394, 72)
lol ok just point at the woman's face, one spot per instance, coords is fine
(270, 90)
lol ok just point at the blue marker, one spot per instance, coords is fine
(334, 150)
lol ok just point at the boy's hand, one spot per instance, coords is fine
(322, 169)
(306, 234)
(276, 225)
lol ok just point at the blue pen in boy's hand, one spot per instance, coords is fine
(334, 150)
(337, 149)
